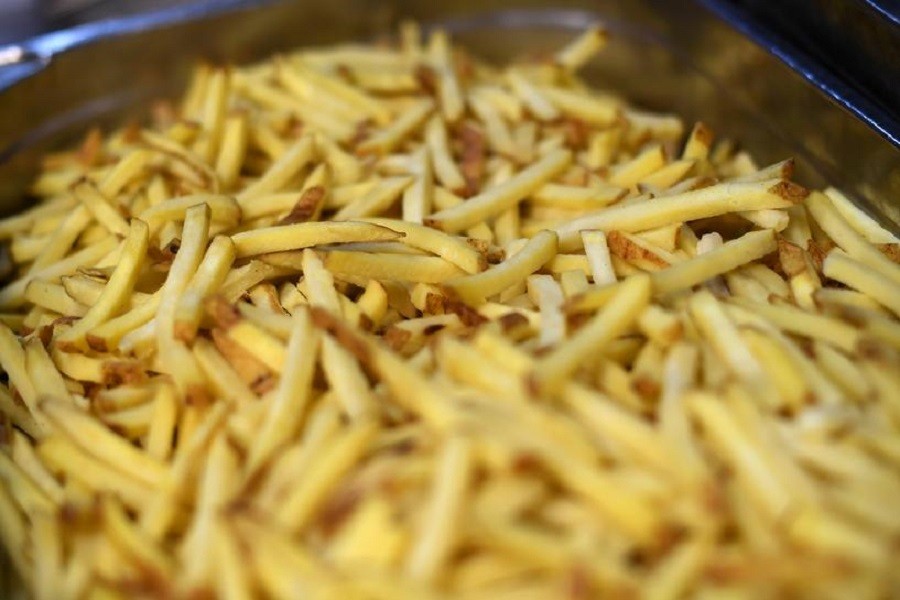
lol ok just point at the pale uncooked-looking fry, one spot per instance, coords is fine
(108, 335)
(477, 288)
(697, 204)
(622, 309)
(640, 167)
(597, 252)
(596, 110)
(532, 97)
(723, 431)
(63, 456)
(452, 104)
(348, 93)
(125, 171)
(501, 197)
(45, 377)
(306, 235)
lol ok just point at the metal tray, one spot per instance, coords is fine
(678, 56)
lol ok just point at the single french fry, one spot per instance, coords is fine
(399, 267)
(232, 150)
(864, 224)
(477, 288)
(223, 209)
(347, 380)
(62, 239)
(854, 244)
(576, 197)
(799, 322)
(53, 297)
(61, 455)
(293, 392)
(306, 235)
(116, 294)
(863, 277)
(579, 51)
(729, 256)
(705, 202)
(418, 197)
(102, 443)
(209, 276)
(281, 172)
(593, 109)
(445, 168)
(388, 138)
(435, 542)
(622, 309)
(336, 459)
(501, 197)
(451, 248)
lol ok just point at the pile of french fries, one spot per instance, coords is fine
(389, 322)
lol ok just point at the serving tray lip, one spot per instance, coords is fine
(24, 59)
(19, 61)
(875, 115)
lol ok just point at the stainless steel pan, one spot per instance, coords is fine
(666, 55)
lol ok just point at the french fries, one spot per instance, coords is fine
(389, 322)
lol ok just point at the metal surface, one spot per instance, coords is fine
(677, 56)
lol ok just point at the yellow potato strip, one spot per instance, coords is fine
(501, 197)
(403, 126)
(616, 317)
(282, 171)
(854, 244)
(451, 248)
(435, 542)
(705, 202)
(863, 277)
(115, 295)
(475, 289)
(396, 267)
(306, 235)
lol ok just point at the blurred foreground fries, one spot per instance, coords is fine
(390, 322)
